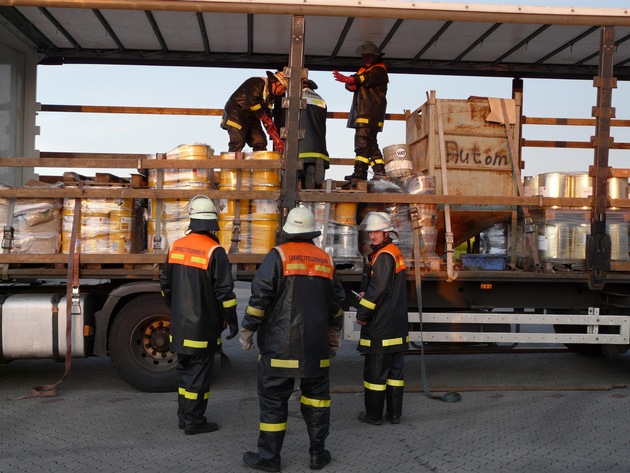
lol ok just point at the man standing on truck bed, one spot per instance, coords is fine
(250, 105)
(382, 314)
(295, 308)
(367, 114)
(197, 284)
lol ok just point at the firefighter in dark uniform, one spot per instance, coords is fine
(295, 309)
(313, 151)
(250, 105)
(197, 284)
(367, 114)
(382, 314)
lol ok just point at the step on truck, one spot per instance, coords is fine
(496, 259)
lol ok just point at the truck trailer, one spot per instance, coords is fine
(495, 258)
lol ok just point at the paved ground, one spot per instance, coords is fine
(98, 423)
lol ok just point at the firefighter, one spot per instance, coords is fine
(295, 309)
(197, 285)
(313, 152)
(369, 102)
(382, 314)
(250, 105)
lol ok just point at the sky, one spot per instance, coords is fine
(150, 86)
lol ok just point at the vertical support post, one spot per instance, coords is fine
(291, 134)
(598, 244)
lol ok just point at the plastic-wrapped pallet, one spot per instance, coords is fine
(36, 223)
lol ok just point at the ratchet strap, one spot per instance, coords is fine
(449, 396)
(72, 307)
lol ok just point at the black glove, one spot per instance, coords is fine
(229, 317)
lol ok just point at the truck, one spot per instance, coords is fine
(490, 252)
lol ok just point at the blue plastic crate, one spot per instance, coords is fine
(484, 262)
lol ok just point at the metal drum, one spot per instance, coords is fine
(346, 241)
(554, 184)
(346, 213)
(582, 186)
(530, 185)
(397, 161)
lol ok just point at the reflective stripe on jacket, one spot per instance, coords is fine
(197, 285)
(369, 102)
(295, 299)
(384, 303)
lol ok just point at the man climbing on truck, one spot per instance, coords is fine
(250, 105)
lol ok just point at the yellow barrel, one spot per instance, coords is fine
(263, 235)
(346, 213)
(120, 231)
(263, 179)
(171, 230)
(172, 209)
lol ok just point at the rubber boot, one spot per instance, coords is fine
(379, 171)
(320, 172)
(394, 401)
(360, 172)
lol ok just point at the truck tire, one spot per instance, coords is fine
(139, 345)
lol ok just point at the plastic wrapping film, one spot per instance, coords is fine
(494, 240)
(36, 223)
(184, 178)
(258, 219)
(562, 234)
(400, 216)
(173, 213)
(109, 225)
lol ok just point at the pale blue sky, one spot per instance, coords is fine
(210, 88)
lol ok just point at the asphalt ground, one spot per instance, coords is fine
(522, 412)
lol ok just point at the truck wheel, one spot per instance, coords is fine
(139, 345)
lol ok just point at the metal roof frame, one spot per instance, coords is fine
(417, 38)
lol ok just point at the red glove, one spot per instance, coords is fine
(278, 144)
(267, 121)
(339, 77)
(351, 87)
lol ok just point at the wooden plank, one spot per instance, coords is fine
(570, 121)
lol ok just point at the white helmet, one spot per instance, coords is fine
(300, 220)
(377, 222)
(201, 207)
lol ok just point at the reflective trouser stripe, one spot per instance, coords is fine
(396, 382)
(192, 396)
(315, 402)
(362, 159)
(374, 387)
(265, 427)
(233, 124)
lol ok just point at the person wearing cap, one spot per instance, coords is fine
(197, 285)
(295, 309)
(382, 314)
(250, 105)
(367, 115)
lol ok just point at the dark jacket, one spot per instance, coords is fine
(197, 284)
(251, 98)
(369, 102)
(313, 120)
(296, 297)
(384, 305)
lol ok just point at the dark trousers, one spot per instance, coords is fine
(194, 388)
(383, 381)
(250, 133)
(366, 146)
(273, 397)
